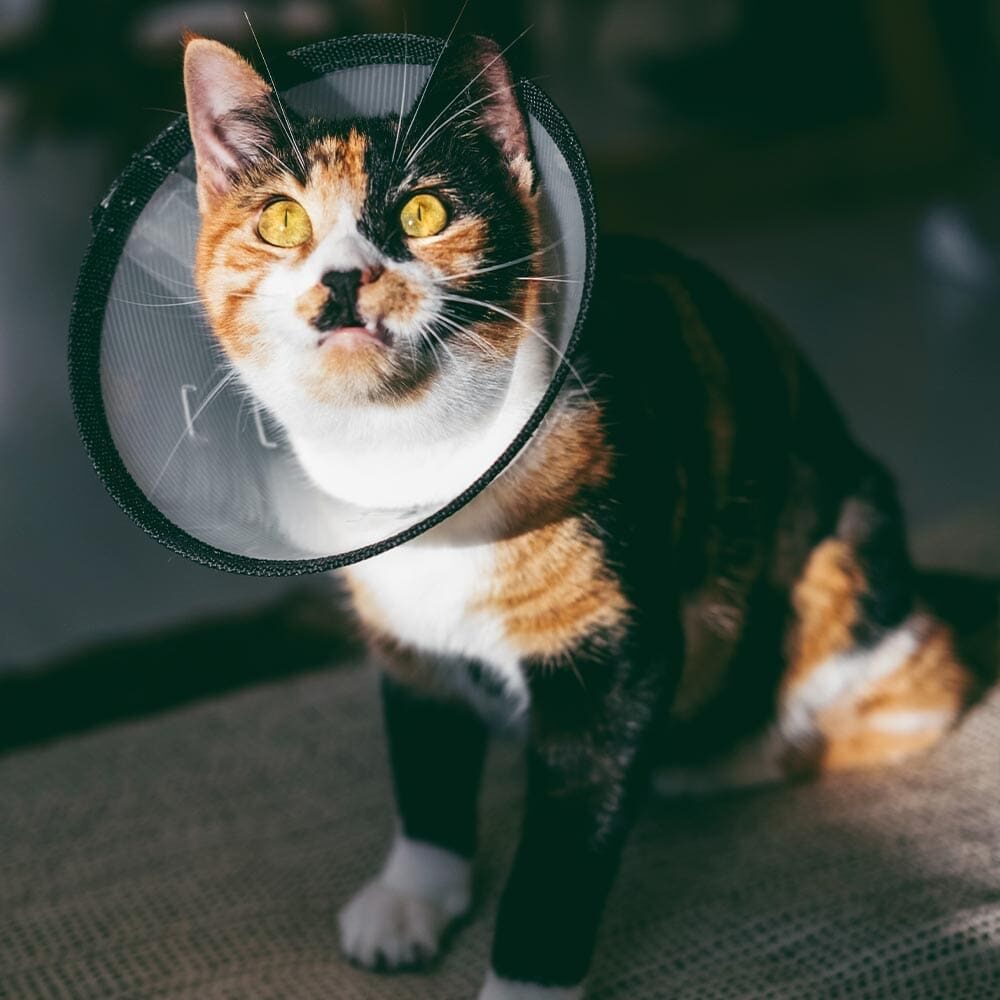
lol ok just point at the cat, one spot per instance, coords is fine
(692, 574)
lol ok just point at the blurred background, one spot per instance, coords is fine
(838, 160)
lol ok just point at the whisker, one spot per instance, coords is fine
(423, 93)
(176, 303)
(527, 326)
(277, 159)
(157, 305)
(423, 143)
(422, 334)
(559, 279)
(440, 340)
(497, 267)
(484, 344)
(277, 99)
(190, 424)
(402, 98)
(437, 118)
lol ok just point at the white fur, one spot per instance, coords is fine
(844, 675)
(910, 721)
(427, 591)
(399, 917)
(496, 988)
(425, 453)
(759, 761)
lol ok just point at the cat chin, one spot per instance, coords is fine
(416, 455)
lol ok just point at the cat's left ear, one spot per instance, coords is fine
(230, 114)
(473, 82)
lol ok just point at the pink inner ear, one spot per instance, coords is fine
(218, 82)
(501, 113)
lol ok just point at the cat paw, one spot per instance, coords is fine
(496, 988)
(398, 919)
(383, 928)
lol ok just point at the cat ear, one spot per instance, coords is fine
(473, 82)
(230, 114)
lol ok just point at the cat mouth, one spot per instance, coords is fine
(372, 333)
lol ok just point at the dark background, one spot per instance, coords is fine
(837, 159)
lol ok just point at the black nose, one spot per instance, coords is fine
(341, 308)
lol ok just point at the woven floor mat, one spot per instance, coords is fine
(204, 853)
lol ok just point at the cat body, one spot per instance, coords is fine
(691, 571)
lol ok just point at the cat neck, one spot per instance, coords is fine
(418, 457)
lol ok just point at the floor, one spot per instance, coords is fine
(896, 306)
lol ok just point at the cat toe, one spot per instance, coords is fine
(383, 928)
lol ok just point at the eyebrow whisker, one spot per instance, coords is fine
(277, 100)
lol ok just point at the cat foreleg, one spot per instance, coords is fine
(436, 750)
(589, 760)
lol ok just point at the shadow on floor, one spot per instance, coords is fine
(308, 630)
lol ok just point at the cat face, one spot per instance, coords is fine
(369, 263)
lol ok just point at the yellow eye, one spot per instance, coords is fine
(423, 215)
(284, 223)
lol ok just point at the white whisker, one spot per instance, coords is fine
(496, 267)
(402, 98)
(437, 118)
(484, 345)
(423, 143)
(423, 93)
(558, 279)
(267, 152)
(190, 425)
(277, 99)
(451, 354)
(186, 303)
(527, 326)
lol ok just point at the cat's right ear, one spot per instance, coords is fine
(230, 114)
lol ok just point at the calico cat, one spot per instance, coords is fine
(692, 570)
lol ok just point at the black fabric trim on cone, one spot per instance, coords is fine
(113, 220)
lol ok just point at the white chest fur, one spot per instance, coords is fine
(429, 595)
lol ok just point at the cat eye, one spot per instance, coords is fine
(284, 223)
(423, 215)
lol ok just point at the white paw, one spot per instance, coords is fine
(496, 988)
(399, 917)
(382, 927)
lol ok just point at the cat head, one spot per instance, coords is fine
(371, 265)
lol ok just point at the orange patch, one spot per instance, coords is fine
(310, 304)
(907, 711)
(825, 600)
(222, 262)
(456, 250)
(861, 748)
(552, 589)
(568, 455)
(390, 297)
(552, 586)
(338, 165)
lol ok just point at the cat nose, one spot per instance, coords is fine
(341, 308)
(343, 285)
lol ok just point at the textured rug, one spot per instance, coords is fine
(205, 852)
